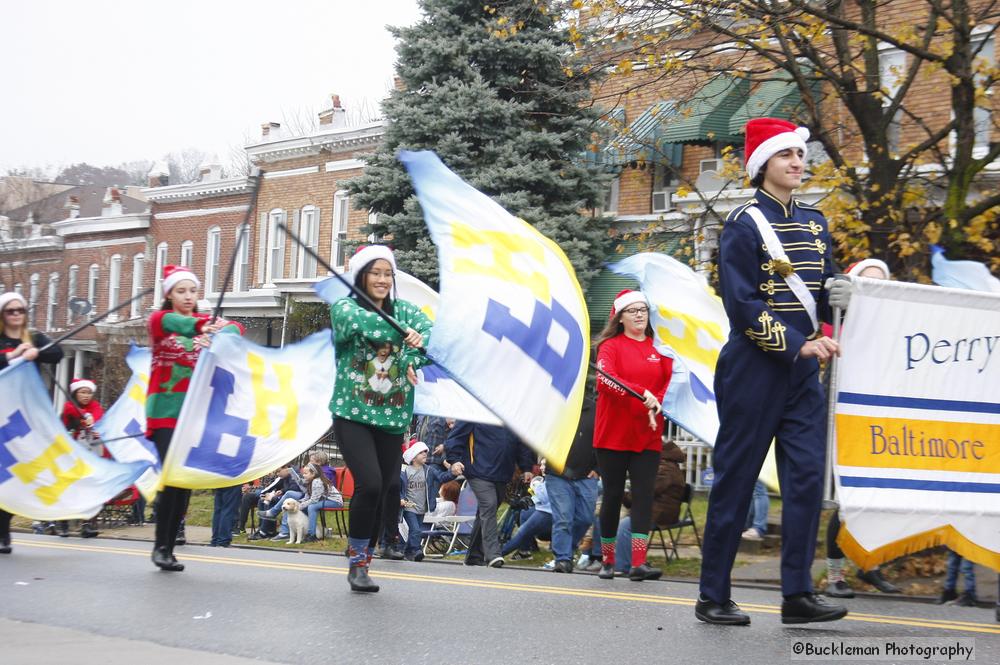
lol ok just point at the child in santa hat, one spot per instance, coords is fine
(177, 333)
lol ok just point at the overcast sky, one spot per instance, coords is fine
(106, 82)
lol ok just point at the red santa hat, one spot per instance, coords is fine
(368, 253)
(174, 274)
(11, 296)
(766, 137)
(77, 384)
(625, 298)
(855, 269)
(412, 448)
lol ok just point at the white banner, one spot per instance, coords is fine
(917, 456)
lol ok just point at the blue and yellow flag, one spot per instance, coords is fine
(123, 426)
(250, 409)
(44, 473)
(512, 325)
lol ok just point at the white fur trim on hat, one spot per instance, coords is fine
(10, 296)
(858, 268)
(630, 298)
(370, 253)
(772, 146)
(82, 383)
(413, 450)
(171, 280)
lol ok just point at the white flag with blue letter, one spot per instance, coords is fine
(44, 473)
(249, 409)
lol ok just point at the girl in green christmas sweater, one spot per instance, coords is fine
(372, 406)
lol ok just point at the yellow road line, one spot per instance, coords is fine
(965, 626)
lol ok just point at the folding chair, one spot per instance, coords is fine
(454, 529)
(343, 480)
(686, 520)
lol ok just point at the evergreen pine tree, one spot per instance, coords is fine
(489, 89)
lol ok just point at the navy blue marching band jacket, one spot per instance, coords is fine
(758, 301)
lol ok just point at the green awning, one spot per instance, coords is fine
(705, 117)
(778, 98)
(641, 141)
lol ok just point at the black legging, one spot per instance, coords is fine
(833, 550)
(4, 524)
(247, 503)
(373, 457)
(641, 469)
(173, 502)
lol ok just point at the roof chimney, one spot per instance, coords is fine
(112, 203)
(159, 175)
(335, 116)
(270, 129)
(210, 171)
(73, 206)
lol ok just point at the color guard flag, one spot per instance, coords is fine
(44, 473)
(512, 326)
(125, 423)
(917, 460)
(961, 274)
(436, 394)
(691, 327)
(250, 409)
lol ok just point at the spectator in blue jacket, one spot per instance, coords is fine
(488, 456)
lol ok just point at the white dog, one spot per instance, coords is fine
(298, 523)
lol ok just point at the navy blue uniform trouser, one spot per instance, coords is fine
(760, 399)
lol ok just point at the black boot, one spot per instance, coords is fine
(5, 544)
(63, 526)
(181, 538)
(644, 572)
(87, 530)
(357, 575)
(164, 560)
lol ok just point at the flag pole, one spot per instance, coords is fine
(361, 295)
(97, 319)
(638, 396)
(256, 175)
(829, 501)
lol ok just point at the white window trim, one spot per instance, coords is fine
(241, 269)
(312, 239)
(275, 260)
(162, 254)
(187, 253)
(339, 221)
(138, 266)
(72, 286)
(33, 286)
(53, 304)
(114, 285)
(93, 280)
(213, 256)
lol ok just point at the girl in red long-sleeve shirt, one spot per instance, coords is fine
(628, 432)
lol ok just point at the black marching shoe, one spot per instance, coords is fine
(358, 578)
(607, 571)
(87, 530)
(63, 527)
(810, 608)
(839, 589)
(563, 566)
(165, 560)
(946, 596)
(875, 578)
(5, 545)
(726, 614)
(644, 572)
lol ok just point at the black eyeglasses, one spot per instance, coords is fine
(15, 310)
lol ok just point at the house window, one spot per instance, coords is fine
(983, 115)
(161, 260)
(611, 196)
(74, 274)
(309, 233)
(241, 280)
(187, 253)
(92, 276)
(892, 71)
(50, 312)
(114, 285)
(275, 246)
(213, 250)
(18, 288)
(341, 207)
(138, 262)
(33, 299)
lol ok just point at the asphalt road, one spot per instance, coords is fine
(103, 602)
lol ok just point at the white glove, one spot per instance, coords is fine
(840, 291)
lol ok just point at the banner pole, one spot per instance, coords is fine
(138, 296)
(829, 501)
